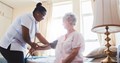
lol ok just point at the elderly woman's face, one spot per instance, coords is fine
(66, 24)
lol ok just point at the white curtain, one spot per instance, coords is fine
(43, 26)
(101, 38)
(76, 10)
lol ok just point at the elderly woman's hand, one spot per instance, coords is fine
(43, 47)
(34, 45)
(31, 51)
(63, 61)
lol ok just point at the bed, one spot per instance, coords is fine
(42, 59)
(95, 56)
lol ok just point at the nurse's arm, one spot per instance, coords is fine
(42, 39)
(26, 37)
(72, 55)
(46, 47)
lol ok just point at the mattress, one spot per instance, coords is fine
(41, 59)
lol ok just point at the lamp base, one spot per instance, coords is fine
(108, 60)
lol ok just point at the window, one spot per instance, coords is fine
(56, 28)
(91, 39)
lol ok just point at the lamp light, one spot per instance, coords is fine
(106, 20)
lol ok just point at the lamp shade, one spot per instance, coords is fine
(106, 14)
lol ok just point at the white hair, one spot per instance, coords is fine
(70, 17)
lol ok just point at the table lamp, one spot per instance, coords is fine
(106, 20)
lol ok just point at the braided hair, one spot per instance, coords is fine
(40, 9)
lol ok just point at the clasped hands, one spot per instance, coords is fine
(35, 46)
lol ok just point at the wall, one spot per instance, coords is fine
(22, 10)
(56, 1)
(6, 14)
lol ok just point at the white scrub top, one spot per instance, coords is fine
(64, 47)
(13, 35)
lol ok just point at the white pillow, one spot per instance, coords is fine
(99, 52)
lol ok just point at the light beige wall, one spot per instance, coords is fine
(56, 1)
(5, 18)
(22, 10)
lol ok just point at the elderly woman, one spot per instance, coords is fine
(70, 46)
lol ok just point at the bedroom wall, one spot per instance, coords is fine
(6, 14)
(22, 10)
(56, 1)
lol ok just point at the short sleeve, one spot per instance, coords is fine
(37, 29)
(26, 21)
(77, 40)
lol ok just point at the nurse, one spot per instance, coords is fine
(20, 33)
